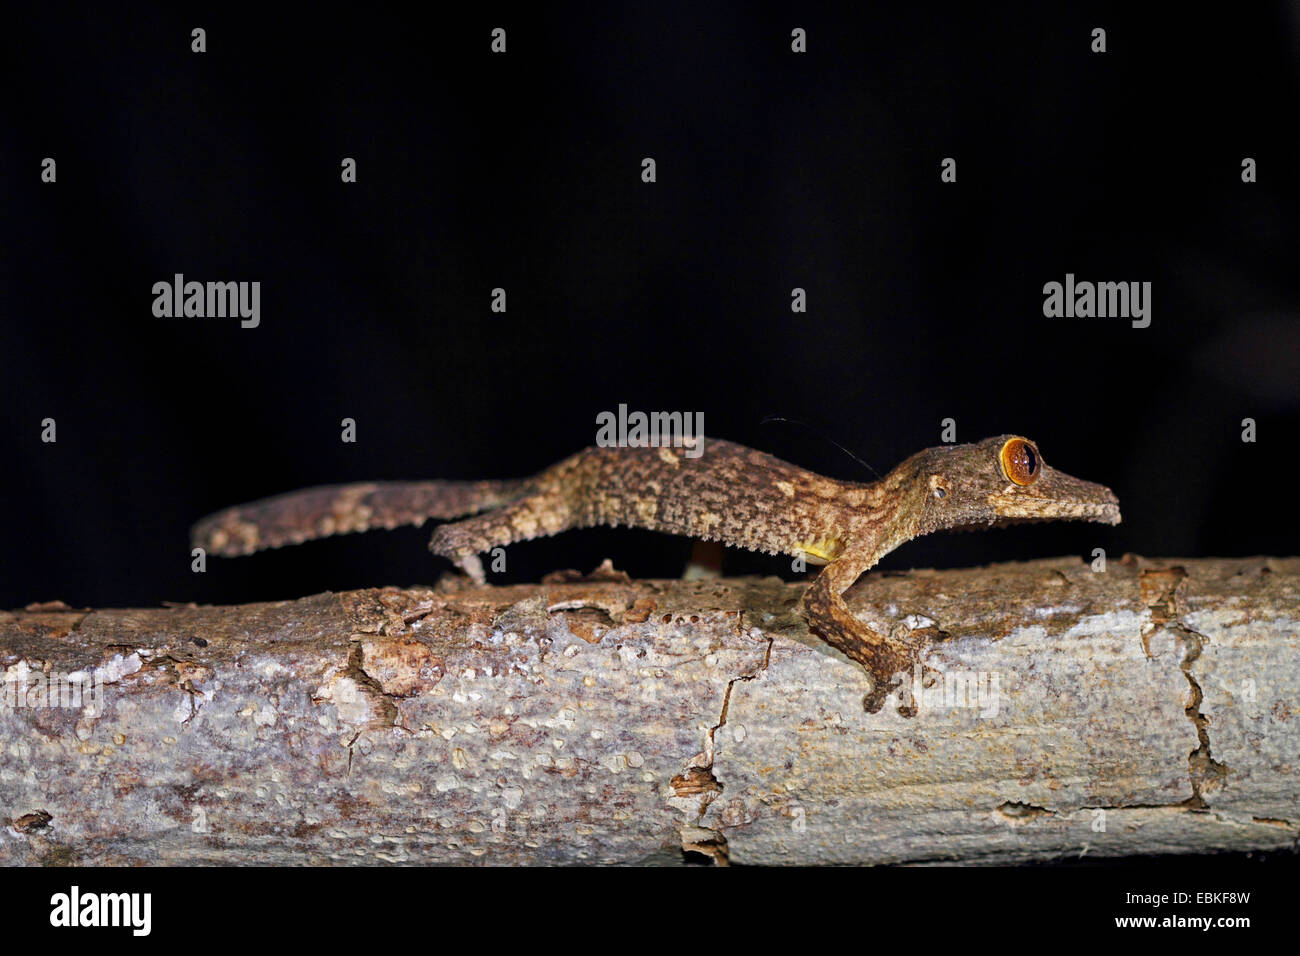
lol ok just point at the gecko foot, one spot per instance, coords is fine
(887, 665)
(887, 659)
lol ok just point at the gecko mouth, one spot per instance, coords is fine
(1017, 508)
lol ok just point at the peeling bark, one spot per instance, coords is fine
(1152, 708)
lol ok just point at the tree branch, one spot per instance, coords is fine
(1151, 708)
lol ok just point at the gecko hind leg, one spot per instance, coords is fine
(532, 517)
(884, 658)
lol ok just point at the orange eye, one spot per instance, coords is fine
(1020, 461)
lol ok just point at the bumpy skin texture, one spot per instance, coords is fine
(341, 509)
(729, 493)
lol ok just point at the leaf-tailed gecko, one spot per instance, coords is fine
(732, 494)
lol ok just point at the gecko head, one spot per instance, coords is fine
(1001, 481)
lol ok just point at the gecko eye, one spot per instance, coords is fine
(1020, 461)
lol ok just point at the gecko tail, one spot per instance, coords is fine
(343, 509)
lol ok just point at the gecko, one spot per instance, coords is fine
(732, 494)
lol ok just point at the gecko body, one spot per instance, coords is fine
(732, 494)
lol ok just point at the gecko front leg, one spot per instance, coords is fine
(883, 656)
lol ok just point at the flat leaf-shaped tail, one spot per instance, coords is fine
(343, 509)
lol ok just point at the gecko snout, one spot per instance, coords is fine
(1057, 496)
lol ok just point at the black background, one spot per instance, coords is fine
(522, 171)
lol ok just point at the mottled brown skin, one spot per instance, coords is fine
(729, 493)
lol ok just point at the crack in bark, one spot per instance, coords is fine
(1159, 589)
(1022, 813)
(709, 845)
(1203, 770)
(700, 778)
(186, 672)
(390, 715)
(1272, 821)
(32, 822)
